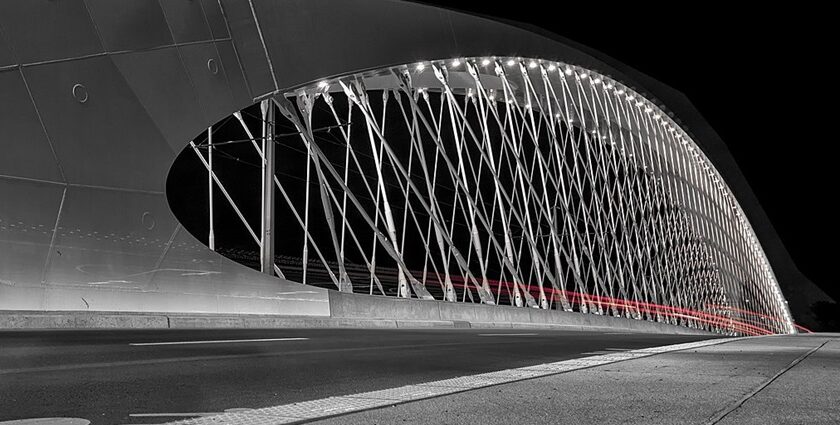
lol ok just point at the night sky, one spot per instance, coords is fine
(760, 77)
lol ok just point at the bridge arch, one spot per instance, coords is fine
(85, 219)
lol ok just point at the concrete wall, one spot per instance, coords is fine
(441, 313)
(346, 311)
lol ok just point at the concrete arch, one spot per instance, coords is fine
(101, 96)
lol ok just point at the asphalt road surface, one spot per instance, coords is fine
(138, 376)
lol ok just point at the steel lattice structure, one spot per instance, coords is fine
(514, 180)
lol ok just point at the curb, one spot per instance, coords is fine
(32, 320)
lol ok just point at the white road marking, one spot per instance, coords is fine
(507, 334)
(48, 421)
(339, 405)
(218, 341)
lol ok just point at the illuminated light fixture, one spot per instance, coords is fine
(656, 117)
(596, 80)
(323, 85)
(456, 62)
(639, 103)
(569, 71)
(511, 62)
(420, 67)
(630, 97)
(552, 67)
(533, 64)
(485, 62)
(648, 109)
(584, 76)
(609, 86)
(619, 91)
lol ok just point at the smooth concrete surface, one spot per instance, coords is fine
(808, 393)
(347, 311)
(379, 307)
(482, 315)
(98, 375)
(731, 383)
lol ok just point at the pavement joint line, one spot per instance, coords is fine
(312, 410)
(719, 416)
(467, 382)
(215, 341)
(407, 392)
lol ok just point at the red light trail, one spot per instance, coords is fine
(750, 322)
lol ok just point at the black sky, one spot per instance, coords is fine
(762, 78)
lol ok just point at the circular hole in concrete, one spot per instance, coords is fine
(148, 220)
(213, 66)
(80, 93)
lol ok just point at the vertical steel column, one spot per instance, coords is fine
(211, 237)
(267, 216)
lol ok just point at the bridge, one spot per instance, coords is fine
(301, 167)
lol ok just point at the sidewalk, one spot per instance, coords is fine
(749, 381)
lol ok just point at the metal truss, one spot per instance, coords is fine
(505, 181)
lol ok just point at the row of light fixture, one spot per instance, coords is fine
(609, 84)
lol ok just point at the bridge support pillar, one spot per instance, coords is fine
(267, 216)
(211, 237)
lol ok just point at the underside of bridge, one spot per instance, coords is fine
(413, 152)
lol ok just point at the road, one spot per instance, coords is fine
(153, 376)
